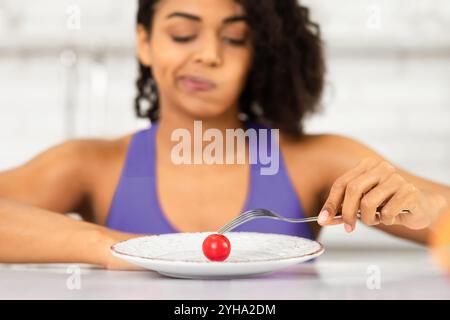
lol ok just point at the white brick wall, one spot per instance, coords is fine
(388, 80)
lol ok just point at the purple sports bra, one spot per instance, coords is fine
(135, 207)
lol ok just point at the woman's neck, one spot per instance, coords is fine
(171, 122)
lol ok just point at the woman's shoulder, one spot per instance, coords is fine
(102, 155)
(316, 140)
(85, 158)
(68, 168)
(106, 150)
(92, 150)
(326, 155)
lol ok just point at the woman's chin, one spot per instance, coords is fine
(204, 112)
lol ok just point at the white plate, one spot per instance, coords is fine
(180, 255)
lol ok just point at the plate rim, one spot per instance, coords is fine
(319, 251)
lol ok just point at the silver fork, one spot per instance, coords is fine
(264, 213)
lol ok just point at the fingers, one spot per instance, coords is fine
(391, 213)
(369, 186)
(349, 190)
(334, 221)
(336, 196)
(358, 187)
(378, 197)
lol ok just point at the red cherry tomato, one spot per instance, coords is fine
(216, 247)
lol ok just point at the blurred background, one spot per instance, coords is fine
(68, 68)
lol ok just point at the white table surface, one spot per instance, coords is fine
(337, 274)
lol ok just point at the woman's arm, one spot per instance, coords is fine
(32, 200)
(55, 180)
(33, 235)
(346, 188)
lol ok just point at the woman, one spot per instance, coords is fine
(231, 65)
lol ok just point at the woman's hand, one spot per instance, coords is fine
(102, 240)
(372, 184)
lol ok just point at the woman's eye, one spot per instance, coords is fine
(183, 39)
(235, 42)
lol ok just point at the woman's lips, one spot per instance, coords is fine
(193, 83)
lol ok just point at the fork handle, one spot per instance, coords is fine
(358, 214)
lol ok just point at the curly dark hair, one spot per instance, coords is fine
(287, 75)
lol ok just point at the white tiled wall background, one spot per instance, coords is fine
(64, 75)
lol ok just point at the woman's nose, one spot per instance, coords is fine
(210, 52)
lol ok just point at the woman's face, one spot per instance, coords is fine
(208, 39)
